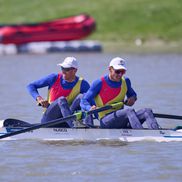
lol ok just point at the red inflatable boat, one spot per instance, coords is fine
(64, 29)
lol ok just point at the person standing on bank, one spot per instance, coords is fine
(65, 90)
(113, 88)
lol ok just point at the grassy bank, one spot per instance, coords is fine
(128, 25)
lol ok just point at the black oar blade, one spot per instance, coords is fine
(15, 123)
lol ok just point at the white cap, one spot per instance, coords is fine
(118, 63)
(69, 62)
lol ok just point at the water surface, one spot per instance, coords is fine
(157, 80)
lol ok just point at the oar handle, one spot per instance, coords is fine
(104, 108)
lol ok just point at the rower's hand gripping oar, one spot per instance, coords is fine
(76, 116)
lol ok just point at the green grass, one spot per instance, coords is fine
(118, 21)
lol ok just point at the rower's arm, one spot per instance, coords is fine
(88, 99)
(43, 82)
(84, 87)
(130, 90)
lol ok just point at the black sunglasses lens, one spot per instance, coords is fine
(119, 71)
(65, 69)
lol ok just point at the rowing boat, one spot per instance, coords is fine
(93, 134)
(14, 129)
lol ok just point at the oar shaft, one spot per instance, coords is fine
(168, 116)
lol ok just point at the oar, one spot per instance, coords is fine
(168, 116)
(76, 116)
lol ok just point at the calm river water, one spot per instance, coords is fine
(157, 80)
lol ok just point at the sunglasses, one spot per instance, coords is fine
(120, 71)
(66, 69)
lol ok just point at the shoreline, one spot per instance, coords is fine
(139, 47)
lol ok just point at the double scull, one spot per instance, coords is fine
(93, 134)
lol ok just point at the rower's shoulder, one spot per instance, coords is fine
(53, 75)
(81, 80)
(97, 82)
(127, 80)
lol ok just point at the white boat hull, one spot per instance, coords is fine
(94, 134)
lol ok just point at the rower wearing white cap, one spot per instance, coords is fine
(65, 90)
(112, 88)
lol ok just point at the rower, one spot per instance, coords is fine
(115, 87)
(65, 90)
